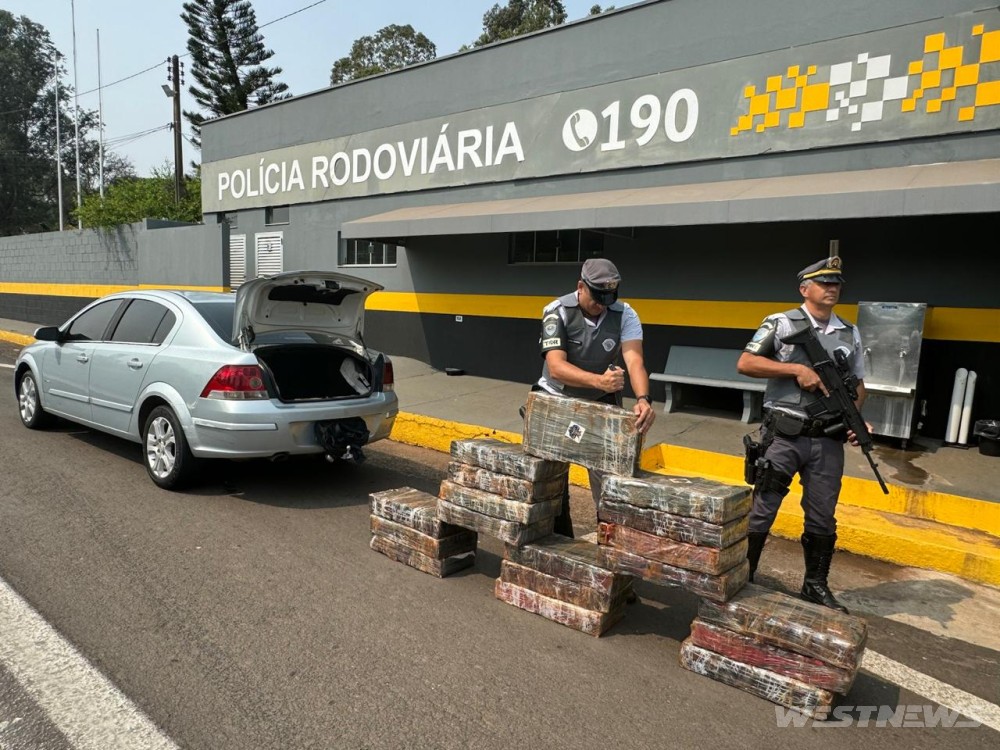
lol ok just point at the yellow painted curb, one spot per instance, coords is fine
(16, 338)
(901, 540)
(965, 547)
(954, 510)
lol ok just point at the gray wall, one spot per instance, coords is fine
(184, 255)
(73, 257)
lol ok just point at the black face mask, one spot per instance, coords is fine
(603, 296)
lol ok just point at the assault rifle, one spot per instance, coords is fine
(842, 385)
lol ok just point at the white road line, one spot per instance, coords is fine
(91, 712)
(941, 693)
(9, 367)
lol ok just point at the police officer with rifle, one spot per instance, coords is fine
(813, 363)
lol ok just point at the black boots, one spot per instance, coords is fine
(818, 551)
(755, 544)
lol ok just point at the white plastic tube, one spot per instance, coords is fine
(970, 392)
(955, 411)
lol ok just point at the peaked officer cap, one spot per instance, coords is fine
(828, 270)
(602, 278)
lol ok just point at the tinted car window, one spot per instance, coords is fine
(219, 315)
(140, 322)
(164, 328)
(91, 325)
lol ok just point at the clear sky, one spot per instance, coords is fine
(140, 34)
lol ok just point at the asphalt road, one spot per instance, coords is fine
(250, 613)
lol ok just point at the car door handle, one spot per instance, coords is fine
(82, 359)
(135, 364)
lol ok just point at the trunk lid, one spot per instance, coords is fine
(308, 301)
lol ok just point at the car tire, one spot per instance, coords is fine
(29, 404)
(169, 462)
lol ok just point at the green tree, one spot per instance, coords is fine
(391, 48)
(28, 176)
(595, 10)
(519, 17)
(133, 199)
(227, 56)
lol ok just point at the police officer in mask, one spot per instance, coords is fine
(586, 336)
(795, 440)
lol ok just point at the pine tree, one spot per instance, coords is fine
(227, 54)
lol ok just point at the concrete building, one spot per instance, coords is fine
(710, 148)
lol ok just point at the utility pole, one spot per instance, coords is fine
(55, 67)
(174, 91)
(100, 119)
(76, 121)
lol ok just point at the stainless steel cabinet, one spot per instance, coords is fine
(891, 334)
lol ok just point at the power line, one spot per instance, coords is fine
(188, 54)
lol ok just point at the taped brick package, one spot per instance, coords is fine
(788, 651)
(597, 436)
(562, 580)
(406, 528)
(677, 531)
(497, 489)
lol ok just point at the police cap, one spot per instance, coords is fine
(829, 270)
(602, 278)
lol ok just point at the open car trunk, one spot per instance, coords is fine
(312, 372)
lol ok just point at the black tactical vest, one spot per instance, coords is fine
(588, 347)
(786, 391)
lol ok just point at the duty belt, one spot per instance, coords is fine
(790, 425)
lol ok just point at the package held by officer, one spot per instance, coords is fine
(591, 434)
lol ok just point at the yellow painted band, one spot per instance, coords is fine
(16, 338)
(941, 323)
(92, 290)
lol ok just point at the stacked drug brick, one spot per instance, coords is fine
(497, 489)
(788, 651)
(562, 580)
(405, 527)
(677, 531)
(559, 578)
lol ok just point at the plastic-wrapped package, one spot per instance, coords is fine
(461, 541)
(588, 433)
(718, 588)
(497, 506)
(694, 497)
(565, 590)
(678, 528)
(512, 488)
(511, 532)
(744, 648)
(563, 557)
(440, 568)
(785, 691)
(505, 458)
(711, 560)
(585, 620)
(412, 508)
(793, 624)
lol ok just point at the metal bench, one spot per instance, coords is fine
(716, 368)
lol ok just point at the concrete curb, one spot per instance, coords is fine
(16, 338)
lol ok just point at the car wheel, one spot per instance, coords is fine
(29, 404)
(169, 461)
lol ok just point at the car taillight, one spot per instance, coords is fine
(236, 383)
(388, 381)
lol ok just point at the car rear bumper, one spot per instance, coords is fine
(261, 429)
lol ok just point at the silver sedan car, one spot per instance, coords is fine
(278, 369)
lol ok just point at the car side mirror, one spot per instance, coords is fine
(48, 333)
